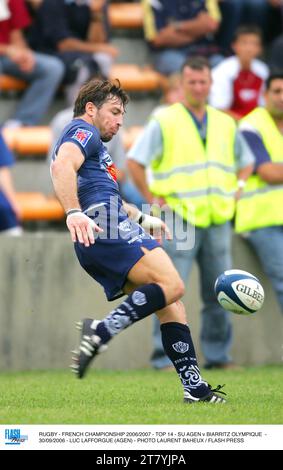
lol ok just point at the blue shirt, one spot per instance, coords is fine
(6, 156)
(57, 20)
(161, 13)
(97, 175)
(179, 10)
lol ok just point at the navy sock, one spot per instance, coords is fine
(179, 347)
(141, 302)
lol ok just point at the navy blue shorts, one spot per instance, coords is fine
(115, 251)
(8, 218)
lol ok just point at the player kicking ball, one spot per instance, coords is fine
(112, 243)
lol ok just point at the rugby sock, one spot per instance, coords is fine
(141, 302)
(179, 347)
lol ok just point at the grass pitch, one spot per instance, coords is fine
(137, 397)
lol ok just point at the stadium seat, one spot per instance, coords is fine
(8, 83)
(38, 206)
(29, 140)
(136, 78)
(131, 76)
(125, 15)
(37, 140)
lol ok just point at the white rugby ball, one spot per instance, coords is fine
(239, 292)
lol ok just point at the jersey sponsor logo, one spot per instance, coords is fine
(82, 136)
(112, 170)
(107, 163)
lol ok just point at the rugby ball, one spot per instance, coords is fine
(239, 292)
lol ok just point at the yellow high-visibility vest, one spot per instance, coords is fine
(261, 203)
(197, 181)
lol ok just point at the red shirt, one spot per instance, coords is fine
(247, 90)
(19, 19)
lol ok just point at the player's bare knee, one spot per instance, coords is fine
(173, 289)
(179, 288)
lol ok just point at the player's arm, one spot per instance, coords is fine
(64, 176)
(148, 222)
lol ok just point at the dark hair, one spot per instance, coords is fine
(98, 92)
(247, 29)
(272, 77)
(196, 63)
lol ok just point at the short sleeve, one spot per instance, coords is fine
(87, 140)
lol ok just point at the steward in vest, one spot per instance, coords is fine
(191, 149)
(259, 210)
(196, 179)
(262, 199)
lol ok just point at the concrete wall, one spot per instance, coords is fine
(43, 291)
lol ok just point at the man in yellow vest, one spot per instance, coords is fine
(191, 149)
(259, 214)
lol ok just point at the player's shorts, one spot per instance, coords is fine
(8, 218)
(115, 251)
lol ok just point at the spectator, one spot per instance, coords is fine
(9, 209)
(259, 215)
(115, 148)
(42, 72)
(238, 81)
(77, 32)
(176, 30)
(172, 93)
(193, 166)
(240, 12)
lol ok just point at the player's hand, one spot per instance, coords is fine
(82, 228)
(155, 226)
(162, 231)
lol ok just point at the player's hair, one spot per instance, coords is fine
(196, 63)
(272, 77)
(247, 29)
(98, 92)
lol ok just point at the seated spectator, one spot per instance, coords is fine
(42, 72)
(115, 148)
(238, 82)
(172, 93)
(177, 30)
(9, 210)
(240, 12)
(77, 32)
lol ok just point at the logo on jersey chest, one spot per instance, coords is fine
(107, 163)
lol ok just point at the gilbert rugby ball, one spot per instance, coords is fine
(239, 292)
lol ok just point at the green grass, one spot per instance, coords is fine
(137, 397)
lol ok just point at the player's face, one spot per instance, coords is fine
(109, 118)
(274, 98)
(196, 85)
